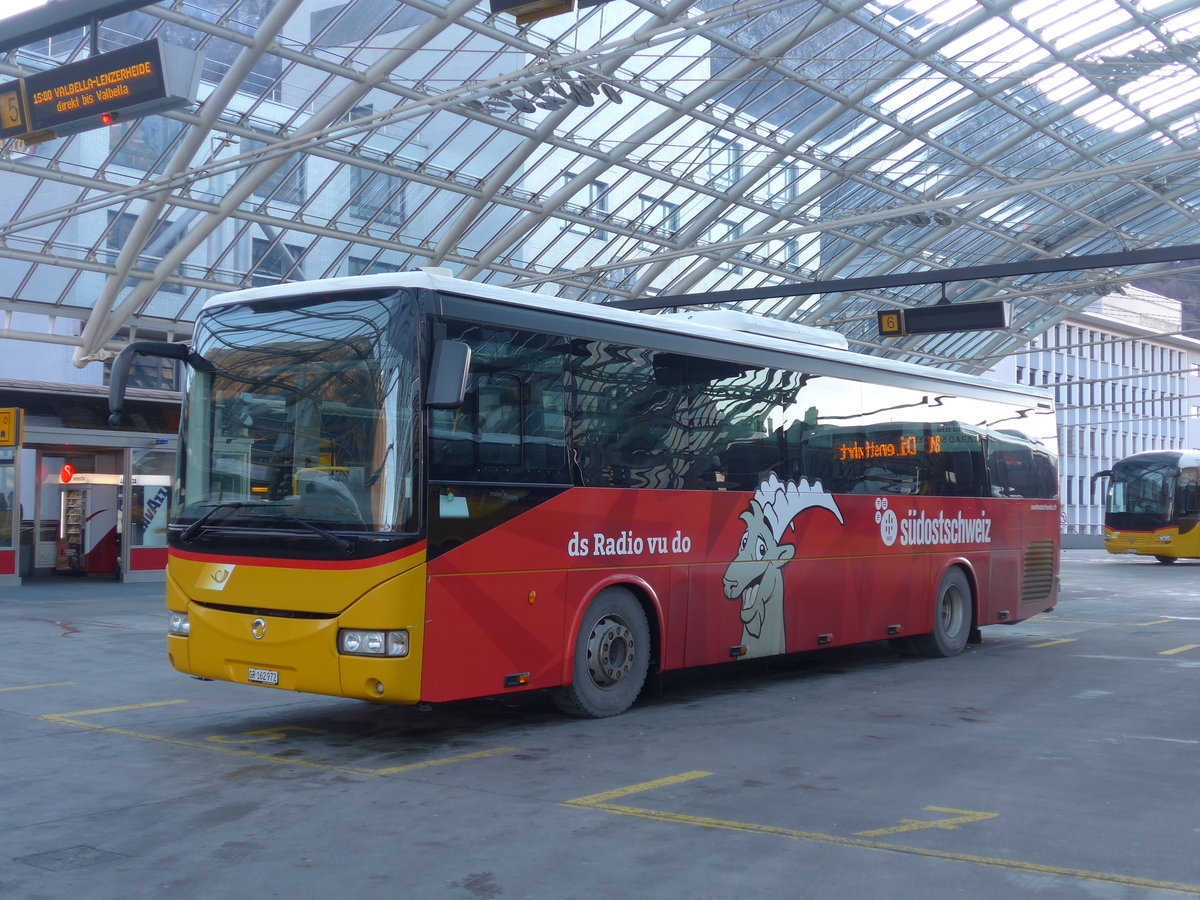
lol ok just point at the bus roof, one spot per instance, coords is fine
(1159, 457)
(798, 340)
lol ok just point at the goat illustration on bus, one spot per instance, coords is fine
(755, 577)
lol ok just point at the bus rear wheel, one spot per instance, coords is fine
(951, 619)
(612, 657)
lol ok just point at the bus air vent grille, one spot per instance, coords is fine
(1039, 572)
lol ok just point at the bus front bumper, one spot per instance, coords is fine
(1154, 543)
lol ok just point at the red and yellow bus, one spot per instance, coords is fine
(1152, 505)
(412, 489)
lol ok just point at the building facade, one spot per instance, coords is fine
(1124, 377)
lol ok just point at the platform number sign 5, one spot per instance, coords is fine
(12, 119)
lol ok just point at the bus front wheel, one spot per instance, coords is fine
(612, 657)
(1166, 560)
(951, 618)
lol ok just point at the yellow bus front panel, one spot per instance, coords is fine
(1160, 542)
(281, 627)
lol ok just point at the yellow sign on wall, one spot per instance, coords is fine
(10, 427)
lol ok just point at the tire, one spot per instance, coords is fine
(951, 618)
(1166, 560)
(612, 657)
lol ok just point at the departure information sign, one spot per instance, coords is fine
(87, 89)
(125, 83)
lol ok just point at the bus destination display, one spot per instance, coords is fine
(905, 445)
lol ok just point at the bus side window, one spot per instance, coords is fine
(545, 430)
(1017, 470)
(498, 428)
(964, 473)
(452, 436)
(1189, 494)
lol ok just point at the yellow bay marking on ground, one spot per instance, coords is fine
(265, 734)
(1052, 643)
(34, 687)
(964, 816)
(1184, 649)
(1162, 621)
(227, 744)
(602, 802)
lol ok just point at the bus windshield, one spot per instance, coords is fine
(1142, 489)
(302, 417)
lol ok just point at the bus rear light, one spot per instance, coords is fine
(177, 624)
(360, 642)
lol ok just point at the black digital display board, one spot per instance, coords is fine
(126, 83)
(945, 317)
(123, 79)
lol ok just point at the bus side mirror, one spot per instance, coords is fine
(119, 377)
(448, 374)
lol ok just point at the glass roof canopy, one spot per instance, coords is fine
(632, 149)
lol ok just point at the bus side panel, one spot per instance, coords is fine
(481, 623)
(783, 569)
(822, 603)
(894, 592)
(485, 627)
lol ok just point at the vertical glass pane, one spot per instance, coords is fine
(149, 492)
(8, 494)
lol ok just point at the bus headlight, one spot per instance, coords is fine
(361, 642)
(1164, 539)
(177, 624)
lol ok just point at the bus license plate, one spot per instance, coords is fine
(263, 676)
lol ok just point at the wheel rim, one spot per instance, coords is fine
(610, 651)
(952, 611)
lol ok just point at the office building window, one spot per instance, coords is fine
(275, 262)
(287, 183)
(359, 266)
(161, 242)
(377, 197)
(724, 163)
(658, 214)
(594, 200)
(144, 144)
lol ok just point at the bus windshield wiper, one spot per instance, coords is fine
(192, 531)
(346, 546)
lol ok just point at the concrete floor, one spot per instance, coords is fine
(1057, 759)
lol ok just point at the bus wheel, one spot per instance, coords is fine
(612, 656)
(951, 618)
(1166, 560)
